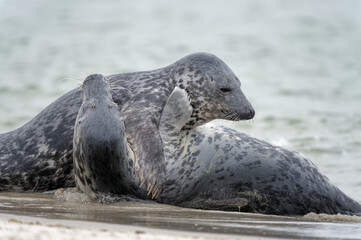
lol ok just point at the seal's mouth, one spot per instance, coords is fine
(237, 116)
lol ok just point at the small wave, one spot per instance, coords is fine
(280, 141)
(73, 195)
(322, 217)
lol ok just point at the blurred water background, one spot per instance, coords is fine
(299, 62)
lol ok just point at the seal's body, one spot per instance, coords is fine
(202, 166)
(39, 155)
(215, 167)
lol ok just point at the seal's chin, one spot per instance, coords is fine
(238, 116)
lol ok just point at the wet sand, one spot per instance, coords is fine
(28, 228)
(71, 213)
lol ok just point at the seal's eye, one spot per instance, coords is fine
(225, 90)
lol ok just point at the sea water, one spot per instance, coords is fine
(298, 61)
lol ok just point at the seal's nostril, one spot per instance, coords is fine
(251, 113)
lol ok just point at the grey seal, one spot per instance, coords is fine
(100, 149)
(39, 155)
(215, 167)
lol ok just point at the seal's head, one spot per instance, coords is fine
(214, 89)
(97, 99)
(96, 86)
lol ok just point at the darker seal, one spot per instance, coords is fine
(100, 150)
(39, 155)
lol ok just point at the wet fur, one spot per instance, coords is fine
(39, 155)
(220, 168)
(101, 153)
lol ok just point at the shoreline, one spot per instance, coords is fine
(28, 228)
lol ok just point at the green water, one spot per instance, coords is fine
(298, 61)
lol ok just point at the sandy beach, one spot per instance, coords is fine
(67, 216)
(13, 227)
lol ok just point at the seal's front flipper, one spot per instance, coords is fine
(146, 137)
(146, 143)
(175, 115)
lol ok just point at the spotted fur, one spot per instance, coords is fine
(219, 168)
(39, 155)
(101, 153)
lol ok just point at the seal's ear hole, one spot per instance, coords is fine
(225, 90)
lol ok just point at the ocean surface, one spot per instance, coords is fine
(298, 61)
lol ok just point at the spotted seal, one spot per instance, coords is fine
(100, 149)
(215, 167)
(39, 155)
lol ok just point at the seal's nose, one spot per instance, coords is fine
(252, 112)
(249, 114)
(94, 76)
